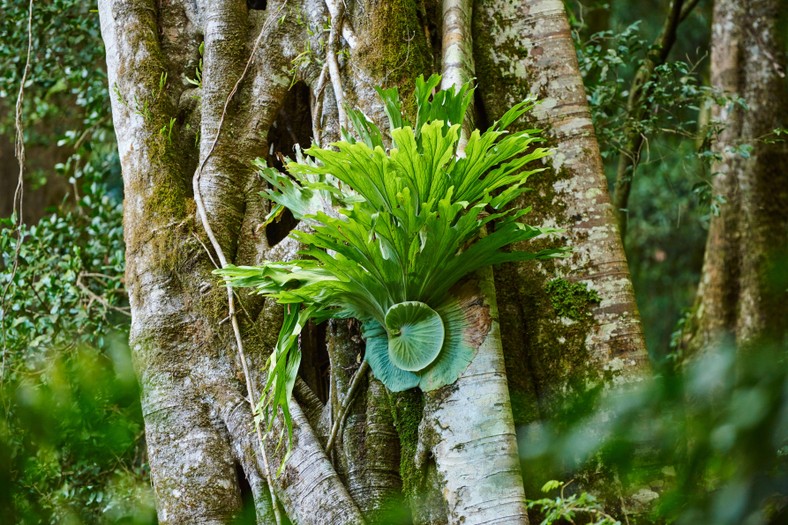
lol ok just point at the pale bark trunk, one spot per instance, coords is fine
(742, 295)
(197, 418)
(526, 49)
(475, 451)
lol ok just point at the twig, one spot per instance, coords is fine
(345, 407)
(98, 275)
(687, 9)
(251, 391)
(19, 193)
(94, 297)
(207, 251)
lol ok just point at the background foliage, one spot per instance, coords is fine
(71, 448)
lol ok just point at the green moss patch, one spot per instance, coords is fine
(572, 300)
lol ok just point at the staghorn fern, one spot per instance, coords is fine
(410, 225)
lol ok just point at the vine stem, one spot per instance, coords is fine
(337, 12)
(94, 297)
(200, 203)
(19, 193)
(345, 406)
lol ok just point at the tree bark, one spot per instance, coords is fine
(192, 394)
(475, 451)
(742, 293)
(526, 49)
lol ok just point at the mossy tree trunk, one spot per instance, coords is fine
(742, 294)
(307, 57)
(567, 323)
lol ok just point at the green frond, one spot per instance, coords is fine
(410, 224)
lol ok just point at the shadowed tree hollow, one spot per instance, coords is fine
(200, 90)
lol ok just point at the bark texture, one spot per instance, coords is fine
(490, 491)
(742, 293)
(198, 423)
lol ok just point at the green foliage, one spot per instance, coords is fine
(70, 437)
(197, 80)
(283, 369)
(69, 441)
(68, 286)
(665, 242)
(562, 508)
(411, 224)
(415, 335)
(706, 439)
(674, 93)
(66, 50)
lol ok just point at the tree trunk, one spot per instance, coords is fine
(742, 292)
(451, 453)
(566, 323)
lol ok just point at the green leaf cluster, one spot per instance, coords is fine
(566, 508)
(70, 420)
(389, 230)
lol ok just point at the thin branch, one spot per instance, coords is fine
(207, 251)
(687, 9)
(94, 297)
(636, 107)
(251, 391)
(345, 407)
(102, 276)
(668, 36)
(333, 64)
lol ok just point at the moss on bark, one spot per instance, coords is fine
(381, 49)
(408, 409)
(571, 300)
